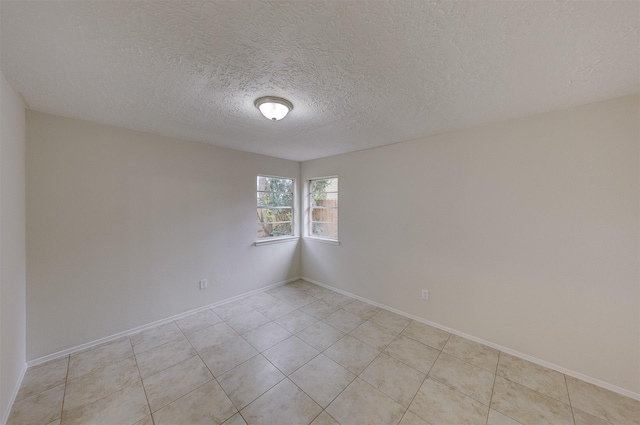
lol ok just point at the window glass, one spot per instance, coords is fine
(323, 207)
(274, 207)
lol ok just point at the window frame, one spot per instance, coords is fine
(282, 238)
(309, 212)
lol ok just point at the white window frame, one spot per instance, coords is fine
(284, 238)
(309, 213)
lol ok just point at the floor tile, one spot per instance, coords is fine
(361, 309)
(352, 354)
(260, 300)
(302, 285)
(324, 419)
(298, 299)
(527, 406)
(246, 382)
(211, 336)
(319, 309)
(296, 321)
(100, 383)
(318, 291)
(322, 379)
(410, 418)
(145, 421)
(374, 335)
(232, 309)
(43, 377)
(536, 377)
(208, 375)
(413, 353)
(41, 408)
(470, 380)
(172, 383)
(438, 404)
(224, 357)
(582, 418)
(285, 403)
(472, 352)
(154, 337)
(497, 418)
(196, 321)
(290, 354)
(201, 406)
(391, 320)
(236, 419)
(603, 404)
(397, 380)
(98, 357)
(320, 335)
(338, 300)
(276, 309)
(266, 336)
(433, 337)
(362, 404)
(283, 290)
(248, 321)
(159, 358)
(343, 321)
(126, 406)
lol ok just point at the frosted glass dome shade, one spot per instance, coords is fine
(273, 108)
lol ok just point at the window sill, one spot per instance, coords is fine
(323, 240)
(270, 241)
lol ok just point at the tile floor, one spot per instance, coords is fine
(301, 354)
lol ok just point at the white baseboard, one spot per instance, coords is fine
(569, 372)
(14, 394)
(507, 350)
(135, 330)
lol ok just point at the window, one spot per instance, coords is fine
(323, 208)
(275, 207)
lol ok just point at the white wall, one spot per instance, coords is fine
(525, 232)
(12, 243)
(122, 225)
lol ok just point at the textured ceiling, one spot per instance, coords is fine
(359, 73)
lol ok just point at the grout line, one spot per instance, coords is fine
(495, 377)
(144, 389)
(64, 393)
(426, 376)
(573, 416)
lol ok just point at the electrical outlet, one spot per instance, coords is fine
(425, 294)
(204, 283)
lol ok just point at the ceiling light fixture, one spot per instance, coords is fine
(273, 108)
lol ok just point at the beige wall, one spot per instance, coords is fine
(122, 225)
(526, 233)
(12, 244)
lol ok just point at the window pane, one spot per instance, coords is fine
(271, 215)
(326, 230)
(325, 215)
(275, 199)
(274, 184)
(324, 185)
(268, 230)
(321, 199)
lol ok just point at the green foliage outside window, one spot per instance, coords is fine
(275, 206)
